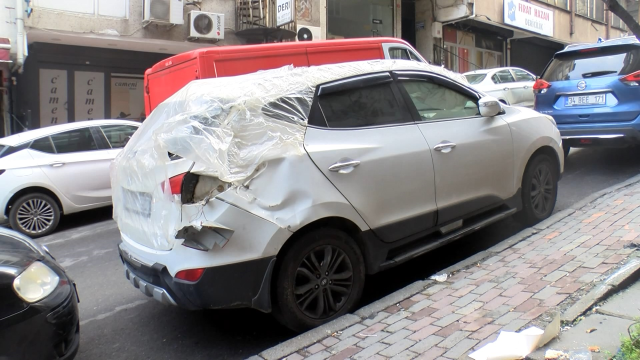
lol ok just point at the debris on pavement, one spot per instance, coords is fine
(439, 278)
(589, 331)
(595, 349)
(510, 345)
(555, 355)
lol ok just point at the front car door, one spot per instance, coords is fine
(472, 155)
(524, 87)
(79, 167)
(367, 144)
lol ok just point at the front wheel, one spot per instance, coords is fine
(539, 190)
(34, 215)
(321, 278)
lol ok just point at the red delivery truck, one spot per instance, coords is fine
(168, 76)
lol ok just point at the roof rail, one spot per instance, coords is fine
(622, 38)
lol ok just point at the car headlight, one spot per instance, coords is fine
(36, 283)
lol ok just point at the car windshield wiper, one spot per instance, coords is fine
(598, 73)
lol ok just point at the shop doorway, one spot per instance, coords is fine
(409, 21)
(359, 18)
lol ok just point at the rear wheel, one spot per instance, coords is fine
(321, 278)
(34, 215)
(539, 190)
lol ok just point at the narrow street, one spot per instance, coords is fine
(118, 322)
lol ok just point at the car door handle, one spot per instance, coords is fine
(56, 164)
(526, 86)
(344, 166)
(506, 89)
(444, 146)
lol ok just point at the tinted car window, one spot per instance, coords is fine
(437, 102)
(475, 78)
(615, 61)
(523, 75)
(74, 141)
(118, 135)
(364, 106)
(43, 144)
(398, 53)
(502, 77)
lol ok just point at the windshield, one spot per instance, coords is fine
(618, 61)
(475, 78)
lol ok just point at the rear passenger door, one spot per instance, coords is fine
(506, 85)
(365, 141)
(523, 87)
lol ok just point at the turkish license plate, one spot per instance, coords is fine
(585, 100)
(137, 202)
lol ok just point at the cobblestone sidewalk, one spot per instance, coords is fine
(545, 272)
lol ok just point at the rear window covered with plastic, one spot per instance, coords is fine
(596, 62)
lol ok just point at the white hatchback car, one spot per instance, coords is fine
(512, 86)
(57, 170)
(280, 190)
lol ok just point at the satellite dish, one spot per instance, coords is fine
(304, 34)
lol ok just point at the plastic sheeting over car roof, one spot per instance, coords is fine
(228, 127)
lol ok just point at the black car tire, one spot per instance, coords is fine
(338, 291)
(541, 173)
(47, 212)
(565, 149)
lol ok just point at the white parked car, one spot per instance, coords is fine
(57, 170)
(512, 86)
(280, 190)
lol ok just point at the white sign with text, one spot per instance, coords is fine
(89, 95)
(284, 12)
(529, 17)
(53, 97)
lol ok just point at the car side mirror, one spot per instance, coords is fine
(489, 106)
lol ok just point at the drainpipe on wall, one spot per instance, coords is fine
(19, 36)
(572, 29)
(607, 17)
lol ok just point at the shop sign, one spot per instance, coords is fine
(284, 12)
(89, 95)
(53, 97)
(529, 17)
(127, 98)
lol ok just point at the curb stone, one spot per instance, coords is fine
(314, 335)
(618, 280)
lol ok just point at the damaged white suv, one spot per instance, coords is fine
(280, 190)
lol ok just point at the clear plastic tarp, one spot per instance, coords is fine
(226, 127)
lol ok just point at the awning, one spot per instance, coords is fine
(5, 50)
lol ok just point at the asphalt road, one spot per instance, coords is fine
(119, 322)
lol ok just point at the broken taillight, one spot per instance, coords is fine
(190, 275)
(632, 79)
(175, 184)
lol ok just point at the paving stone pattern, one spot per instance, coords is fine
(505, 292)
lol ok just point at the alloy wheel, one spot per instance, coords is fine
(542, 187)
(35, 216)
(323, 282)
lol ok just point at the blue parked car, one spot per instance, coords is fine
(593, 93)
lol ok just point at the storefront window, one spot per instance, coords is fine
(127, 97)
(559, 3)
(465, 51)
(359, 18)
(591, 8)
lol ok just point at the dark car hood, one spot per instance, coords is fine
(16, 255)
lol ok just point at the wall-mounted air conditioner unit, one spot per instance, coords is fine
(206, 25)
(168, 12)
(309, 33)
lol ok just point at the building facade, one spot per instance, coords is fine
(76, 60)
